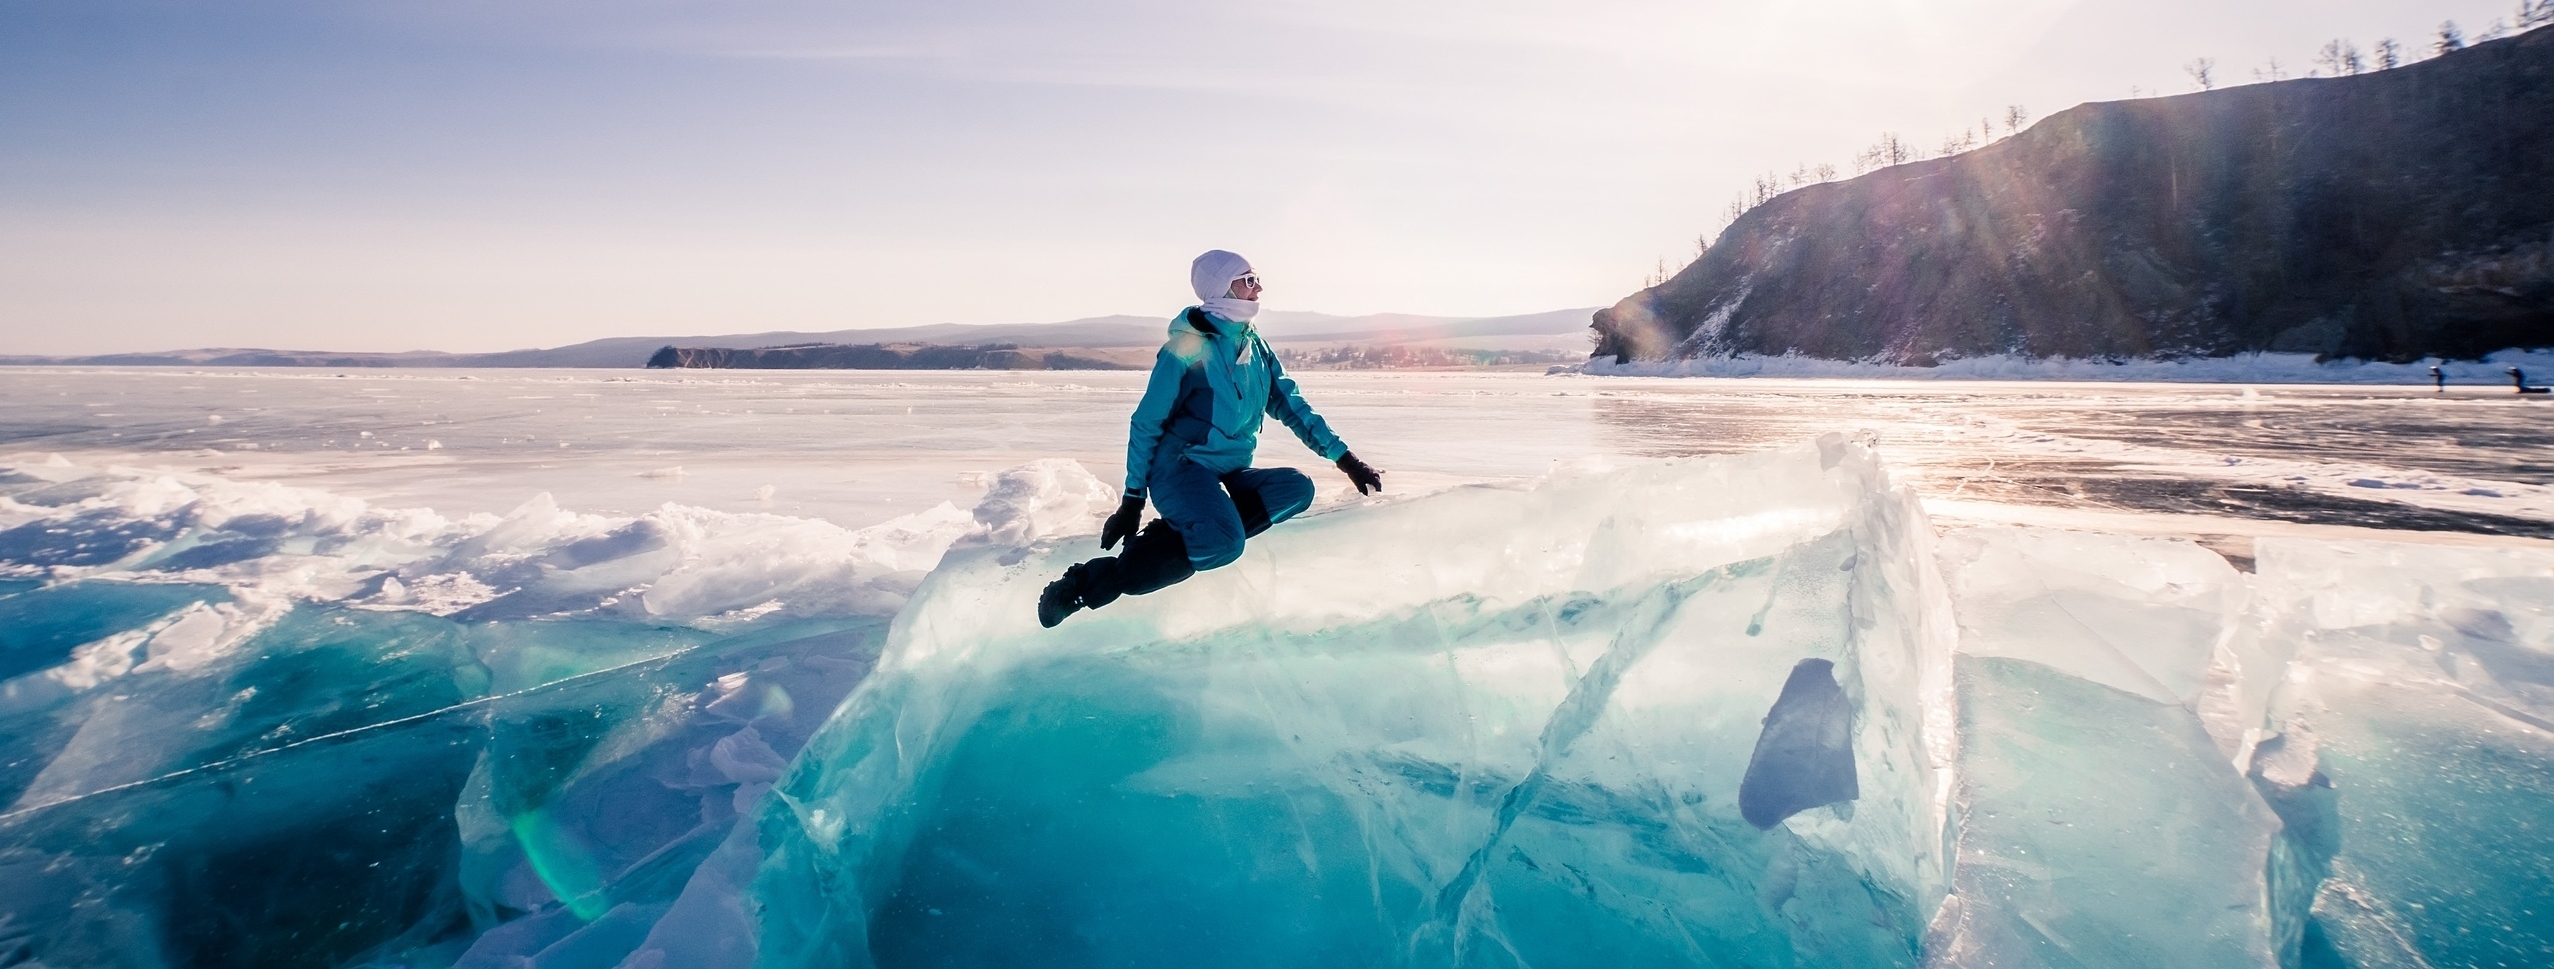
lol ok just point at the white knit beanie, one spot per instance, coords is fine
(1212, 274)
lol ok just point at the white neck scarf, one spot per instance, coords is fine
(1236, 310)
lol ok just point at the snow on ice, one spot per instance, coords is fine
(2262, 368)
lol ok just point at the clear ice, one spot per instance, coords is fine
(2100, 823)
(250, 725)
(2411, 752)
(1393, 736)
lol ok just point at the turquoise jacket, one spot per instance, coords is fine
(1212, 385)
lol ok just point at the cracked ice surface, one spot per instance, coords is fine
(245, 724)
(1389, 736)
(253, 725)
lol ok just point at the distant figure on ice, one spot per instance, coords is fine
(2518, 378)
(2439, 378)
(1189, 448)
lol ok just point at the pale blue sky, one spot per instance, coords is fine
(474, 175)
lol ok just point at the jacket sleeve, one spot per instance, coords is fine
(1288, 407)
(1152, 414)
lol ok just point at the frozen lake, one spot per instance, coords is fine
(856, 448)
(644, 669)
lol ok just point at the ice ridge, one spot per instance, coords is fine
(1387, 736)
(1429, 743)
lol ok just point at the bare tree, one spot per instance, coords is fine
(2450, 39)
(2270, 72)
(1826, 172)
(2014, 119)
(2389, 54)
(2203, 72)
(2535, 13)
(1986, 129)
(1800, 176)
(1768, 185)
(1889, 150)
(2499, 29)
(2339, 58)
(1896, 150)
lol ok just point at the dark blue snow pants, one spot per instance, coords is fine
(1214, 513)
(1204, 518)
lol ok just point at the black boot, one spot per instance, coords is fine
(1063, 597)
(1155, 559)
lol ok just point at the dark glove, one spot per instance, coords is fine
(1130, 514)
(1367, 480)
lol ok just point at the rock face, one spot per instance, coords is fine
(895, 356)
(2393, 215)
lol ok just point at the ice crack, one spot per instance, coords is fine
(1577, 713)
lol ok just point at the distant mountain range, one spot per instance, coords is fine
(2392, 215)
(1098, 332)
(901, 356)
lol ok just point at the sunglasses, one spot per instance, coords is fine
(1251, 278)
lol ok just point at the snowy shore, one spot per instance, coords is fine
(2250, 368)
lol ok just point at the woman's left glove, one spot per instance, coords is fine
(1367, 479)
(1122, 525)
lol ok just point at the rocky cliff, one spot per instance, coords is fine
(904, 356)
(2392, 215)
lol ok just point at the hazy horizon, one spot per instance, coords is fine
(476, 178)
(1295, 319)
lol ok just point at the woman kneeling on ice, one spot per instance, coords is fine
(1189, 447)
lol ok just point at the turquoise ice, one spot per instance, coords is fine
(2411, 749)
(245, 724)
(1392, 736)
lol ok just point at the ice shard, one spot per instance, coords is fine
(2141, 615)
(1489, 726)
(2412, 753)
(2102, 823)
(248, 725)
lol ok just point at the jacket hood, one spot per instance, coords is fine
(1223, 327)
